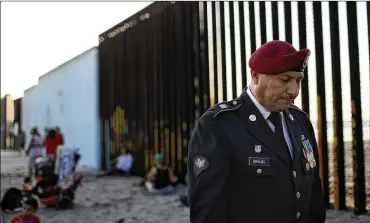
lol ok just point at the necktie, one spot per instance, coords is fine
(274, 117)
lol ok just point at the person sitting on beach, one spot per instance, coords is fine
(29, 210)
(121, 165)
(160, 178)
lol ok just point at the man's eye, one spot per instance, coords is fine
(284, 80)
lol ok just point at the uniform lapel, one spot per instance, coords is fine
(257, 126)
(295, 133)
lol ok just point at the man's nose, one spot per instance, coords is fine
(293, 88)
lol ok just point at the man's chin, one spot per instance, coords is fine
(282, 107)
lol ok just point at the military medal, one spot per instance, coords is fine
(308, 153)
(311, 160)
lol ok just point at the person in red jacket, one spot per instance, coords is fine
(60, 136)
(51, 142)
(29, 212)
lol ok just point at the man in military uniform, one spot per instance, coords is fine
(254, 159)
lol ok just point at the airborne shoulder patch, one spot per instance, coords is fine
(200, 163)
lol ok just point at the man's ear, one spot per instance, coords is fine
(255, 77)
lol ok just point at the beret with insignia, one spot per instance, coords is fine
(276, 57)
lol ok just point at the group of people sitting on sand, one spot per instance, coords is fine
(160, 179)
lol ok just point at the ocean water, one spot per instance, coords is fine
(347, 130)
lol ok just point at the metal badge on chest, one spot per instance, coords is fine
(257, 148)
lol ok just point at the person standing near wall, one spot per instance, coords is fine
(22, 140)
(51, 142)
(33, 149)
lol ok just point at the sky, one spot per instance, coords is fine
(37, 37)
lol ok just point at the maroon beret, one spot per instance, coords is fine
(276, 57)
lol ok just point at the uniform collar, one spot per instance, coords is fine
(265, 113)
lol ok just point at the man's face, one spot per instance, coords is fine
(277, 92)
(28, 210)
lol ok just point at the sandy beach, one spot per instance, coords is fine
(109, 199)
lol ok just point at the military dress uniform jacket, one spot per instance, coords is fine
(238, 173)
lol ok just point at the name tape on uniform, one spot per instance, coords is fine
(258, 161)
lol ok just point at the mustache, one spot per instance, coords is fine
(288, 98)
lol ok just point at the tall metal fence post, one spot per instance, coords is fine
(303, 44)
(243, 51)
(321, 100)
(288, 21)
(357, 135)
(232, 49)
(338, 145)
(263, 22)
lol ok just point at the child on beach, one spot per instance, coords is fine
(29, 212)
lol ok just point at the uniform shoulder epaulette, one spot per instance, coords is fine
(226, 106)
(298, 109)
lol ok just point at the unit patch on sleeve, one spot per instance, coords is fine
(200, 163)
